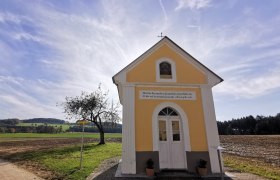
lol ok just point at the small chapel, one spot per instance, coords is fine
(168, 111)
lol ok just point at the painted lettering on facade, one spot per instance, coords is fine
(172, 95)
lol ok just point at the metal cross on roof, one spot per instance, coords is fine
(161, 36)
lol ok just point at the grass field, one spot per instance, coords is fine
(255, 166)
(65, 162)
(59, 135)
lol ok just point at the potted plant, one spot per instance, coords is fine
(201, 168)
(150, 167)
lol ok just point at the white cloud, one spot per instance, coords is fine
(26, 36)
(163, 9)
(273, 41)
(87, 49)
(8, 17)
(22, 102)
(248, 87)
(234, 67)
(243, 65)
(192, 4)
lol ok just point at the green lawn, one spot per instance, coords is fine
(60, 135)
(65, 161)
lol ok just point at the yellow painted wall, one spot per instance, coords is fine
(146, 70)
(143, 119)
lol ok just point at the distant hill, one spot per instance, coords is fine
(44, 120)
(51, 125)
(12, 121)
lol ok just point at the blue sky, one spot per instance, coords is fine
(52, 49)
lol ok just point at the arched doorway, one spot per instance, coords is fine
(170, 141)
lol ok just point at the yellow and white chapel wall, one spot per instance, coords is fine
(138, 112)
(144, 109)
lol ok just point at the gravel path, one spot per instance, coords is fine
(9, 171)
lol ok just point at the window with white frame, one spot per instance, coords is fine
(166, 70)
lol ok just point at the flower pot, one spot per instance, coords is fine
(202, 171)
(150, 172)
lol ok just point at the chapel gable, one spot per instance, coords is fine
(166, 65)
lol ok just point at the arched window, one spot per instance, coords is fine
(165, 70)
(168, 112)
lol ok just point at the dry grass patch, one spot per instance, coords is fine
(252, 165)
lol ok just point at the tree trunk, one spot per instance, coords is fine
(102, 139)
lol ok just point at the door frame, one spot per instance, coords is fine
(184, 127)
(170, 144)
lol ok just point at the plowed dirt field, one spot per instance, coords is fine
(265, 148)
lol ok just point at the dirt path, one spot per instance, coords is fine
(9, 171)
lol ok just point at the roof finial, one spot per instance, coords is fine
(161, 36)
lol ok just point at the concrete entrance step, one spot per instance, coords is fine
(167, 175)
(179, 175)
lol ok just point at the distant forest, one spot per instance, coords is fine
(15, 121)
(44, 120)
(249, 125)
(12, 125)
(51, 125)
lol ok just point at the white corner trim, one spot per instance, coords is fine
(120, 78)
(184, 122)
(128, 131)
(211, 127)
(212, 80)
(173, 70)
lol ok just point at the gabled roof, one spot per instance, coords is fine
(164, 39)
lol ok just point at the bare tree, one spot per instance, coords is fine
(93, 107)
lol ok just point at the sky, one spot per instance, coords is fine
(51, 49)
